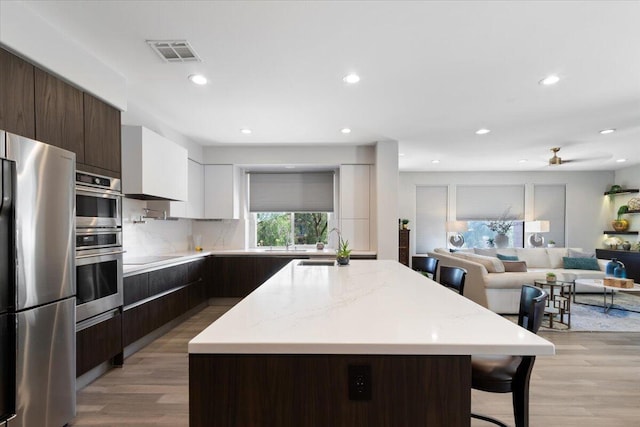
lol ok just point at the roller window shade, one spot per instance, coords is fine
(550, 205)
(482, 202)
(431, 217)
(291, 192)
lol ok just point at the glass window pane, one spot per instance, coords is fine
(310, 228)
(273, 228)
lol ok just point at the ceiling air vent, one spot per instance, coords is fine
(174, 50)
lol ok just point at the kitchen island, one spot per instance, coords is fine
(372, 343)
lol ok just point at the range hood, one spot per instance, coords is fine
(153, 167)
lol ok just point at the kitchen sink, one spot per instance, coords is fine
(316, 262)
(147, 259)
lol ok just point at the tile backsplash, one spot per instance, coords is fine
(157, 237)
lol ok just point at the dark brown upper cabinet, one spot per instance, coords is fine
(59, 114)
(16, 95)
(101, 137)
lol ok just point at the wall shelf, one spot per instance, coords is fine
(629, 191)
(634, 211)
(621, 232)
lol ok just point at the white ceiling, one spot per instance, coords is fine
(432, 74)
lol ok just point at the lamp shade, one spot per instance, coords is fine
(457, 226)
(536, 226)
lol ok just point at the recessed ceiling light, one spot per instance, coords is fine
(621, 160)
(198, 79)
(246, 131)
(289, 167)
(345, 130)
(401, 154)
(482, 131)
(351, 78)
(435, 162)
(607, 131)
(522, 161)
(549, 80)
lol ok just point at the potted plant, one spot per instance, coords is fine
(621, 224)
(405, 223)
(501, 227)
(551, 277)
(551, 244)
(343, 252)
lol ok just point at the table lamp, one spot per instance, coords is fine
(456, 227)
(536, 227)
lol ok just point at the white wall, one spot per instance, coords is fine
(386, 200)
(326, 155)
(154, 237)
(587, 209)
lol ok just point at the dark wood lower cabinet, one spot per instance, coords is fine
(158, 297)
(313, 390)
(630, 259)
(238, 276)
(99, 343)
(135, 324)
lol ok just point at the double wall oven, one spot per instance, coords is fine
(98, 245)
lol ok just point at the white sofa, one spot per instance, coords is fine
(499, 291)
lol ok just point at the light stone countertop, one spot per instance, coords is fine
(368, 307)
(176, 258)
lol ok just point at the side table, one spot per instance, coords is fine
(559, 301)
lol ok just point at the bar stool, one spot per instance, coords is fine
(511, 374)
(425, 264)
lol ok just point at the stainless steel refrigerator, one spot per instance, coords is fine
(38, 278)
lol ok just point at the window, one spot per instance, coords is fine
(286, 228)
(479, 235)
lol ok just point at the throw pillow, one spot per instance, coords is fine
(572, 253)
(492, 264)
(580, 263)
(507, 257)
(485, 251)
(515, 266)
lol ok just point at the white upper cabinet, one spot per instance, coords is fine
(354, 191)
(153, 167)
(220, 192)
(193, 208)
(354, 205)
(195, 204)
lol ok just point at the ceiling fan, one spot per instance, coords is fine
(555, 160)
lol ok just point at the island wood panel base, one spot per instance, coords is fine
(312, 390)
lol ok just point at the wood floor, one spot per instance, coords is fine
(593, 380)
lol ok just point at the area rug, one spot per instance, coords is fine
(592, 317)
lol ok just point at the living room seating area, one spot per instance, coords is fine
(495, 276)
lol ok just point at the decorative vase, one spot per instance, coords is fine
(611, 266)
(620, 272)
(551, 279)
(343, 260)
(626, 246)
(320, 246)
(501, 240)
(620, 224)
